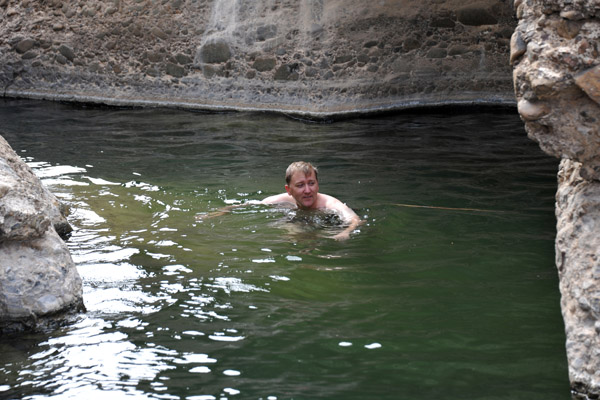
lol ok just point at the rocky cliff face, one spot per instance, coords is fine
(37, 276)
(555, 50)
(312, 57)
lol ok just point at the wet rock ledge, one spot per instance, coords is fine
(38, 279)
(310, 57)
(556, 54)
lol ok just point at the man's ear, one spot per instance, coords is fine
(288, 190)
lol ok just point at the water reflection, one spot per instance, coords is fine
(261, 303)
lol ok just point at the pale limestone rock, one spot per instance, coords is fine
(24, 202)
(578, 262)
(38, 278)
(531, 111)
(557, 84)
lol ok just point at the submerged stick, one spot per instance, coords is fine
(446, 208)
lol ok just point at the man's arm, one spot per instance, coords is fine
(345, 234)
(347, 214)
(225, 210)
(217, 213)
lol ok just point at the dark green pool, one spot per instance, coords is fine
(421, 303)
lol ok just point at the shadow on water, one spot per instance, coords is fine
(446, 302)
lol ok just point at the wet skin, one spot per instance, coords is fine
(304, 189)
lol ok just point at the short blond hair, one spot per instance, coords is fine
(300, 166)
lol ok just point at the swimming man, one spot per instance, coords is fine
(302, 191)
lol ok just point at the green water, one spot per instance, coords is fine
(420, 303)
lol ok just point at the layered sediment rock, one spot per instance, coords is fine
(310, 56)
(38, 278)
(556, 54)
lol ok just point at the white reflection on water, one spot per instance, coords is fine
(233, 285)
(89, 358)
(95, 354)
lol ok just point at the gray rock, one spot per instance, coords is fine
(210, 71)
(311, 72)
(264, 64)
(282, 73)
(159, 33)
(410, 44)
(442, 22)
(266, 32)
(24, 45)
(343, 59)
(518, 47)
(363, 58)
(37, 275)
(316, 29)
(94, 67)
(183, 59)
(215, 52)
(175, 70)
(61, 59)
(457, 50)
(155, 56)
(12, 169)
(67, 52)
(152, 72)
(29, 55)
(437, 52)
(287, 72)
(38, 281)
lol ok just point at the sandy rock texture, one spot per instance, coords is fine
(38, 278)
(578, 262)
(301, 56)
(555, 51)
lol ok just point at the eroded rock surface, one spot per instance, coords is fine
(578, 262)
(310, 56)
(38, 278)
(556, 74)
(556, 55)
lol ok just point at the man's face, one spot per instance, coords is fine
(304, 189)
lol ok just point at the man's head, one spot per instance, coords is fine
(300, 166)
(302, 184)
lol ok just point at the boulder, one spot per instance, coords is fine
(38, 279)
(215, 52)
(264, 64)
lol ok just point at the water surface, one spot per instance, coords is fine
(421, 303)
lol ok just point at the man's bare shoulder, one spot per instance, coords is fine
(331, 203)
(278, 199)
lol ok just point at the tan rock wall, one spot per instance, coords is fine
(307, 56)
(556, 54)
